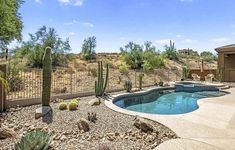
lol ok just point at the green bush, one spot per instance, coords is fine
(208, 56)
(123, 69)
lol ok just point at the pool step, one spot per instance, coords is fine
(225, 87)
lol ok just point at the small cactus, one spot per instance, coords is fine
(141, 80)
(128, 85)
(46, 84)
(73, 106)
(74, 101)
(63, 106)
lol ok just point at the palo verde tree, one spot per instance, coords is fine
(88, 48)
(45, 37)
(133, 55)
(10, 22)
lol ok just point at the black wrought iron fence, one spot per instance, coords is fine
(28, 82)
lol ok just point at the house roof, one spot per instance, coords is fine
(230, 47)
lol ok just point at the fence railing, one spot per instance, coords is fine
(28, 82)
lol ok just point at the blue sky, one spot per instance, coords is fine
(197, 24)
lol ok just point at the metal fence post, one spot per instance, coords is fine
(3, 68)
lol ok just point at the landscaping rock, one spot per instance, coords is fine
(95, 102)
(42, 111)
(83, 125)
(6, 132)
(143, 124)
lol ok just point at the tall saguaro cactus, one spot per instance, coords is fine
(101, 84)
(46, 84)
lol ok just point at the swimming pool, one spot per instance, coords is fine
(165, 102)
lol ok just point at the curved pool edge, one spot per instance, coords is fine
(197, 124)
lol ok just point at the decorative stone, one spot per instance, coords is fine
(83, 125)
(6, 132)
(94, 102)
(42, 111)
(143, 124)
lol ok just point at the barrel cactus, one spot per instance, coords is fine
(128, 85)
(46, 84)
(101, 84)
(35, 140)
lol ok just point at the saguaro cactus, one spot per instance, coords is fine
(46, 84)
(101, 84)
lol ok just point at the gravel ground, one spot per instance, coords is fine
(66, 135)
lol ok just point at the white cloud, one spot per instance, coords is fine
(188, 41)
(186, 0)
(78, 2)
(87, 24)
(71, 22)
(84, 24)
(163, 41)
(179, 36)
(38, 1)
(72, 2)
(71, 33)
(221, 39)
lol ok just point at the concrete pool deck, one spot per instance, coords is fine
(213, 123)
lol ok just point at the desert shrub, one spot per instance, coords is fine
(208, 56)
(147, 66)
(128, 85)
(123, 69)
(92, 72)
(133, 55)
(73, 106)
(63, 106)
(13, 76)
(145, 56)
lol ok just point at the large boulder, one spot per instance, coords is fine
(143, 124)
(6, 132)
(42, 111)
(83, 124)
(94, 102)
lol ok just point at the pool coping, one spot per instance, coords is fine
(193, 120)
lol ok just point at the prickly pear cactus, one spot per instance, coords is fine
(46, 84)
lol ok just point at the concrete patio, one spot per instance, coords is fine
(213, 124)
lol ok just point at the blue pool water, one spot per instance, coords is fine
(165, 102)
